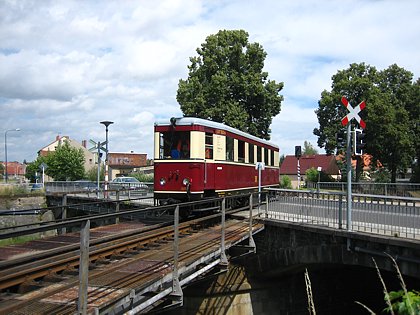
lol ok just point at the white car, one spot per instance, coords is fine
(127, 182)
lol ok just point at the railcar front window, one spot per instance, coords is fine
(175, 145)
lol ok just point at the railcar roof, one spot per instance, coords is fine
(189, 121)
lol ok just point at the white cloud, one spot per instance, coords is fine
(65, 66)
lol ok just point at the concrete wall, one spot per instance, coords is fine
(21, 203)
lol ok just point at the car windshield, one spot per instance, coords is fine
(129, 180)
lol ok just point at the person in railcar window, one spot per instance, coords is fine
(175, 154)
(185, 150)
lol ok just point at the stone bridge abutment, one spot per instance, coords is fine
(283, 245)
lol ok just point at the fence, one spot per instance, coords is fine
(386, 189)
(386, 215)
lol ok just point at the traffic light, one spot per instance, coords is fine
(298, 151)
(341, 140)
(358, 141)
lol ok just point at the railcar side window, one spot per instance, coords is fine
(259, 154)
(265, 156)
(209, 145)
(176, 145)
(241, 151)
(251, 153)
(229, 149)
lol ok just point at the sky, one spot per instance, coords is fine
(65, 66)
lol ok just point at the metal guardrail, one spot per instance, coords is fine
(385, 215)
(386, 189)
(62, 186)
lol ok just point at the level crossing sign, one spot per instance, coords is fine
(353, 112)
(100, 146)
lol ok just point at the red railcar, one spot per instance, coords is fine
(196, 158)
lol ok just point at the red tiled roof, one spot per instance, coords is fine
(327, 162)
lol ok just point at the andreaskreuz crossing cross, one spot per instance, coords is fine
(353, 112)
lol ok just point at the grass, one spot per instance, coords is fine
(13, 190)
(18, 240)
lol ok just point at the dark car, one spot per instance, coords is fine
(86, 185)
(37, 187)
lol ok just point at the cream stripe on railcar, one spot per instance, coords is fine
(156, 151)
(197, 146)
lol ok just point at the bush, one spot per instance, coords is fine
(285, 182)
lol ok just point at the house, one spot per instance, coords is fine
(14, 169)
(124, 163)
(90, 157)
(327, 163)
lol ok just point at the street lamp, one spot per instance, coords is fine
(5, 151)
(106, 124)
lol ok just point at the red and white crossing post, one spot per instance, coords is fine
(353, 114)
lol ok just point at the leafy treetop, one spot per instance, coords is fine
(226, 84)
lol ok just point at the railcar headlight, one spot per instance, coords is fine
(185, 181)
(162, 181)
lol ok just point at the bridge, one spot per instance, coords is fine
(291, 228)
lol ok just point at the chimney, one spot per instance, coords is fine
(84, 143)
(57, 138)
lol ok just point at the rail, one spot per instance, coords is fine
(385, 215)
(81, 255)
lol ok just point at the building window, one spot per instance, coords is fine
(229, 149)
(209, 145)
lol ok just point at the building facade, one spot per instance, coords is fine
(90, 157)
(326, 163)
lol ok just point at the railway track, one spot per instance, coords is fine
(123, 264)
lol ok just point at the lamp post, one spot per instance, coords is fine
(5, 151)
(106, 124)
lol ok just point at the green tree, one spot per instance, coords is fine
(92, 174)
(308, 149)
(33, 168)
(1, 170)
(414, 113)
(66, 163)
(282, 158)
(226, 84)
(312, 175)
(356, 83)
(389, 136)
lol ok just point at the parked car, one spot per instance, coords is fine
(127, 182)
(37, 187)
(85, 185)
